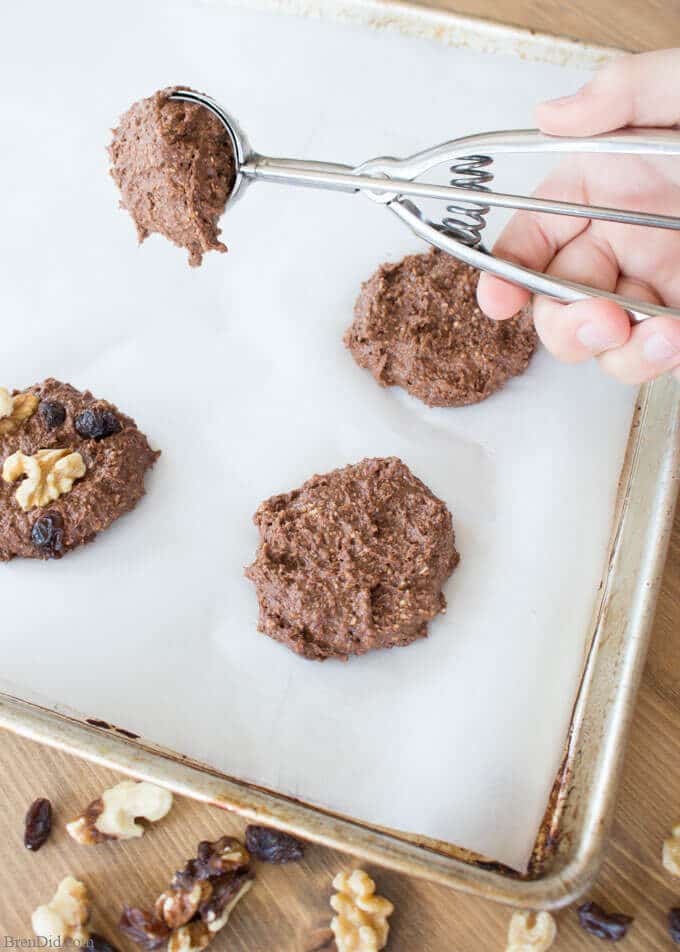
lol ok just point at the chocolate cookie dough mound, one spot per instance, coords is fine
(417, 326)
(174, 165)
(53, 431)
(353, 560)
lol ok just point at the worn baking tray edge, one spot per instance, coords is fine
(569, 846)
(583, 808)
(452, 29)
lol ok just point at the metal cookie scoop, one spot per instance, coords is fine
(468, 199)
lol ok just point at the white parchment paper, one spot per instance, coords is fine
(237, 371)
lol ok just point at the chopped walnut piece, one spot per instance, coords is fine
(361, 922)
(113, 815)
(197, 903)
(147, 930)
(222, 856)
(227, 891)
(190, 938)
(49, 474)
(66, 915)
(212, 859)
(531, 932)
(671, 852)
(178, 905)
(14, 410)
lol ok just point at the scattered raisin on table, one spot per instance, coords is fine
(53, 414)
(48, 534)
(97, 943)
(96, 424)
(674, 924)
(38, 824)
(611, 926)
(273, 846)
(147, 930)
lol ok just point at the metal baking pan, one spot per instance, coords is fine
(569, 845)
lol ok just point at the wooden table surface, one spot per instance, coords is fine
(289, 903)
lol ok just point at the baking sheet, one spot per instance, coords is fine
(238, 373)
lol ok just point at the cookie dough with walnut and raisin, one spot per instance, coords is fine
(70, 465)
(417, 326)
(353, 560)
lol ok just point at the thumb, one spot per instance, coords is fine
(633, 90)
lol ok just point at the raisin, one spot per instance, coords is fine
(48, 534)
(272, 846)
(38, 824)
(96, 424)
(97, 943)
(143, 928)
(611, 926)
(53, 414)
(674, 924)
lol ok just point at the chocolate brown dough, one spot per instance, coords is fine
(353, 560)
(174, 165)
(417, 326)
(112, 485)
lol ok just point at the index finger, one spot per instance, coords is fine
(532, 239)
(640, 89)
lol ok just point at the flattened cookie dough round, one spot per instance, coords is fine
(417, 326)
(174, 165)
(353, 560)
(99, 450)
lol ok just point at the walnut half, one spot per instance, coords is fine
(66, 915)
(113, 815)
(361, 922)
(49, 474)
(14, 410)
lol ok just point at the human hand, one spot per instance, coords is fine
(643, 263)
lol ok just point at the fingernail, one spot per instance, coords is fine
(595, 338)
(658, 348)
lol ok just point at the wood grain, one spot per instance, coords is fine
(290, 903)
(628, 24)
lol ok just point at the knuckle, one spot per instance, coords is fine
(619, 70)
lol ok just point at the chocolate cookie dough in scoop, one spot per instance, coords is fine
(353, 560)
(417, 326)
(174, 165)
(70, 465)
